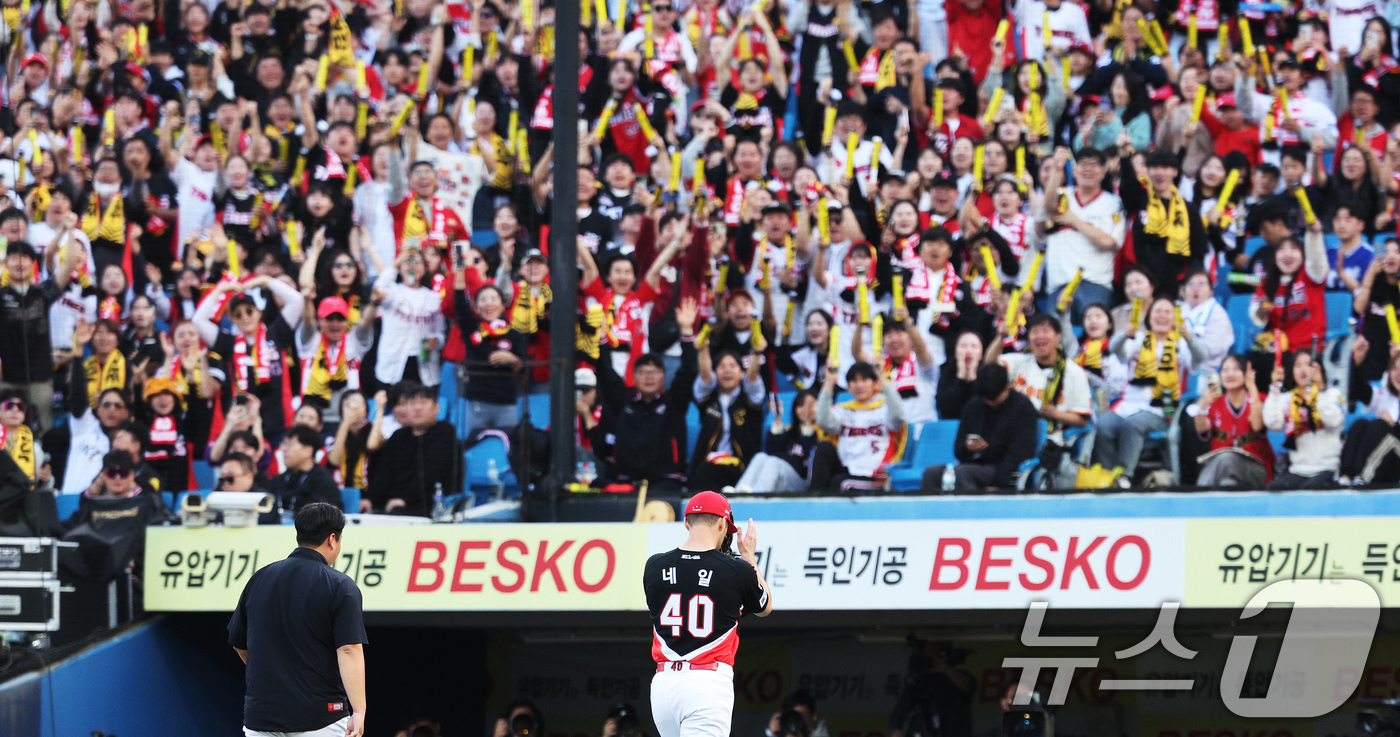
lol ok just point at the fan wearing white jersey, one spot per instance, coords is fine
(869, 430)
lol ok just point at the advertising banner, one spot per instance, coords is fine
(1131, 563)
(1228, 560)
(967, 564)
(564, 567)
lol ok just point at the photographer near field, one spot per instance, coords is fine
(623, 721)
(937, 696)
(521, 719)
(798, 718)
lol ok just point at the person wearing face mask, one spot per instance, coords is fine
(494, 353)
(104, 220)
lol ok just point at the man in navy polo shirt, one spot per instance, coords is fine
(300, 629)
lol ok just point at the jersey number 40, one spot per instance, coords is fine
(700, 619)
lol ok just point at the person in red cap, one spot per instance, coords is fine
(34, 73)
(1229, 129)
(696, 595)
(330, 352)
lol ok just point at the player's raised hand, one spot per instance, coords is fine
(748, 542)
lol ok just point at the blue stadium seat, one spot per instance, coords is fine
(692, 428)
(350, 500)
(1026, 472)
(478, 461)
(911, 447)
(1276, 439)
(1352, 417)
(1238, 310)
(934, 447)
(67, 504)
(1338, 314)
(1252, 244)
(1331, 241)
(539, 409)
(1222, 283)
(203, 475)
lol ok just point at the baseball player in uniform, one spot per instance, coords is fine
(696, 595)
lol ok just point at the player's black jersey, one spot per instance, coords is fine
(695, 600)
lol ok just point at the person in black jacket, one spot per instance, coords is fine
(420, 458)
(996, 434)
(26, 355)
(957, 382)
(786, 461)
(305, 481)
(1167, 239)
(645, 426)
(730, 399)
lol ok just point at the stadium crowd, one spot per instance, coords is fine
(820, 242)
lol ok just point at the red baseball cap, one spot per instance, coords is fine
(332, 306)
(710, 502)
(1226, 99)
(35, 58)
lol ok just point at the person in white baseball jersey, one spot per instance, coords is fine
(696, 595)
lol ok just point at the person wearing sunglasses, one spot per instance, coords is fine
(91, 426)
(16, 438)
(117, 480)
(253, 350)
(239, 473)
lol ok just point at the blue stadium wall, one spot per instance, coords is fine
(157, 679)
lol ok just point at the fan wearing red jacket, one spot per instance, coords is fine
(625, 310)
(1232, 421)
(972, 24)
(420, 214)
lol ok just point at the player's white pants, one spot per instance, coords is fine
(337, 729)
(693, 703)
